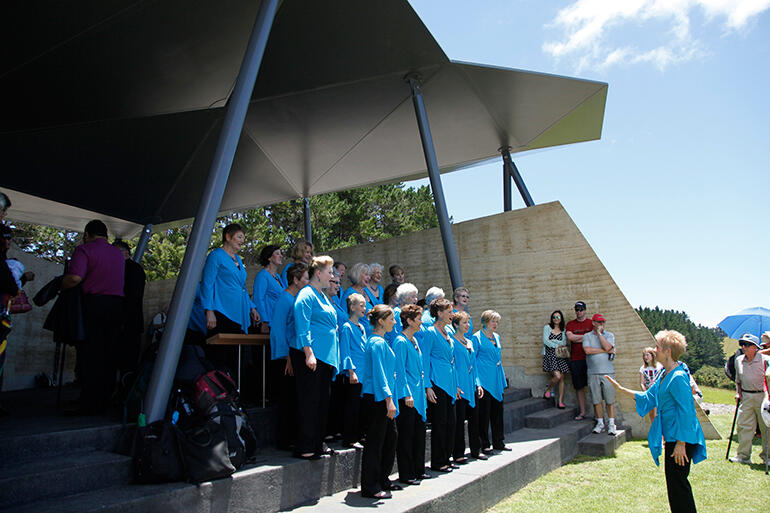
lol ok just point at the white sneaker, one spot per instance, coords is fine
(599, 426)
(738, 459)
(611, 429)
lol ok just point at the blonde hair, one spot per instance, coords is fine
(459, 317)
(672, 340)
(651, 351)
(766, 337)
(379, 313)
(353, 298)
(489, 315)
(318, 263)
(298, 251)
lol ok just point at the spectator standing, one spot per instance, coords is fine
(751, 368)
(491, 374)
(576, 328)
(268, 283)
(412, 417)
(380, 391)
(676, 427)
(314, 356)
(553, 338)
(8, 289)
(99, 269)
(599, 346)
(282, 335)
(133, 311)
(648, 373)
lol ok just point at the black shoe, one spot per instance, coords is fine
(410, 482)
(461, 461)
(312, 457)
(488, 450)
(480, 456)
(425, 475)
(393, 487)
(444, 470)
(378, 495)
(503, 448)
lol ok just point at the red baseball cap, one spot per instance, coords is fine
(598, 318)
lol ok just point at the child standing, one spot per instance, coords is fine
(648, 373)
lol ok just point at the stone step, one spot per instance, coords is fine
(515, 413)
(602, 444)
(550, 417)
(477, 486)
(516, 394)
(61, 475)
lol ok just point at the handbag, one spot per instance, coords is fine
(563, 351)
(205, 452)
(157, 456)
(20, 304)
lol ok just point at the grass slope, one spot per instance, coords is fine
(630, 482)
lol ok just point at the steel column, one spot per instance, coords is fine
(308, 226)
(198, 243)
(514, 172)
(141, 246)
(435, 182)
(507, 204)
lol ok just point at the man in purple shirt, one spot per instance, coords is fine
(98, 268)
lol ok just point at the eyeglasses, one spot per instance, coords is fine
(466, 296)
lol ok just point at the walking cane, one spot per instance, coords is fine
(732, 429)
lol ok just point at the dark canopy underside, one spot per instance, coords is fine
(113, 108)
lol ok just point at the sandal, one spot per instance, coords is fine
(547, 394)
(580, 417)
(561, 406)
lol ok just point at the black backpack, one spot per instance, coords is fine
(730, 364)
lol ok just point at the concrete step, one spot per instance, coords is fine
(602, 444)
(61, 475)
(29, 446)
(477, 486)
(515, 413)
(550, 417)
(516, 394)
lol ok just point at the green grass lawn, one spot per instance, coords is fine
(718, 395)
(631, 483)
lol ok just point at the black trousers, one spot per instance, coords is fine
(223, 357)
(680, 498)
(464, 412)
(379, 450)
(490, 412)
(286, 396)
(337, 403)
(411, 443)
(442, 434)
(102, 317)
(351, 427)
(313, 389)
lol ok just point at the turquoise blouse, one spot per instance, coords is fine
(223, 288)
(342, 314)
(382, 371)
(390, 336)
(371, 298)
(451, 329)
(369, 306)
(284, 275)
(197, 315)
(489, 365)
(676, 419)
(316, 324)
(467, 374)
(267, 289)
(353, 348)
(410, 358)
(440, 362)
(282, 330)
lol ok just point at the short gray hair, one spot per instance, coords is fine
(434, 293)
(404, 290)
(374, 266)
(355, 272)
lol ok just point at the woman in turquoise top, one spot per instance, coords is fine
(676, 422)
(353, 342)
(412, 416)
(282, 333)
(335, 425)
(491, 377)
(268, 284)
(373, 289)
(380, 391)
(468, 381)
(301, 252)
(314, 356)
(442, 390)
(224, 297)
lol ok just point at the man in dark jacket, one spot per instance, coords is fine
(133, 316)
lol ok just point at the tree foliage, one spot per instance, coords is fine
(704, 344)
(339, 219)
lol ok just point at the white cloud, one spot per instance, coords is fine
(589, 25)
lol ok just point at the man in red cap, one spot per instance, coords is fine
(599, 346)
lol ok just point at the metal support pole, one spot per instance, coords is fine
(141, 246)
(507, 204)
(514, 172)
(198, 243)
(435, 182)
(308, 226)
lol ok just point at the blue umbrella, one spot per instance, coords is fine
(750, 320)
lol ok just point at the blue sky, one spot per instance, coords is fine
(674, 197)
